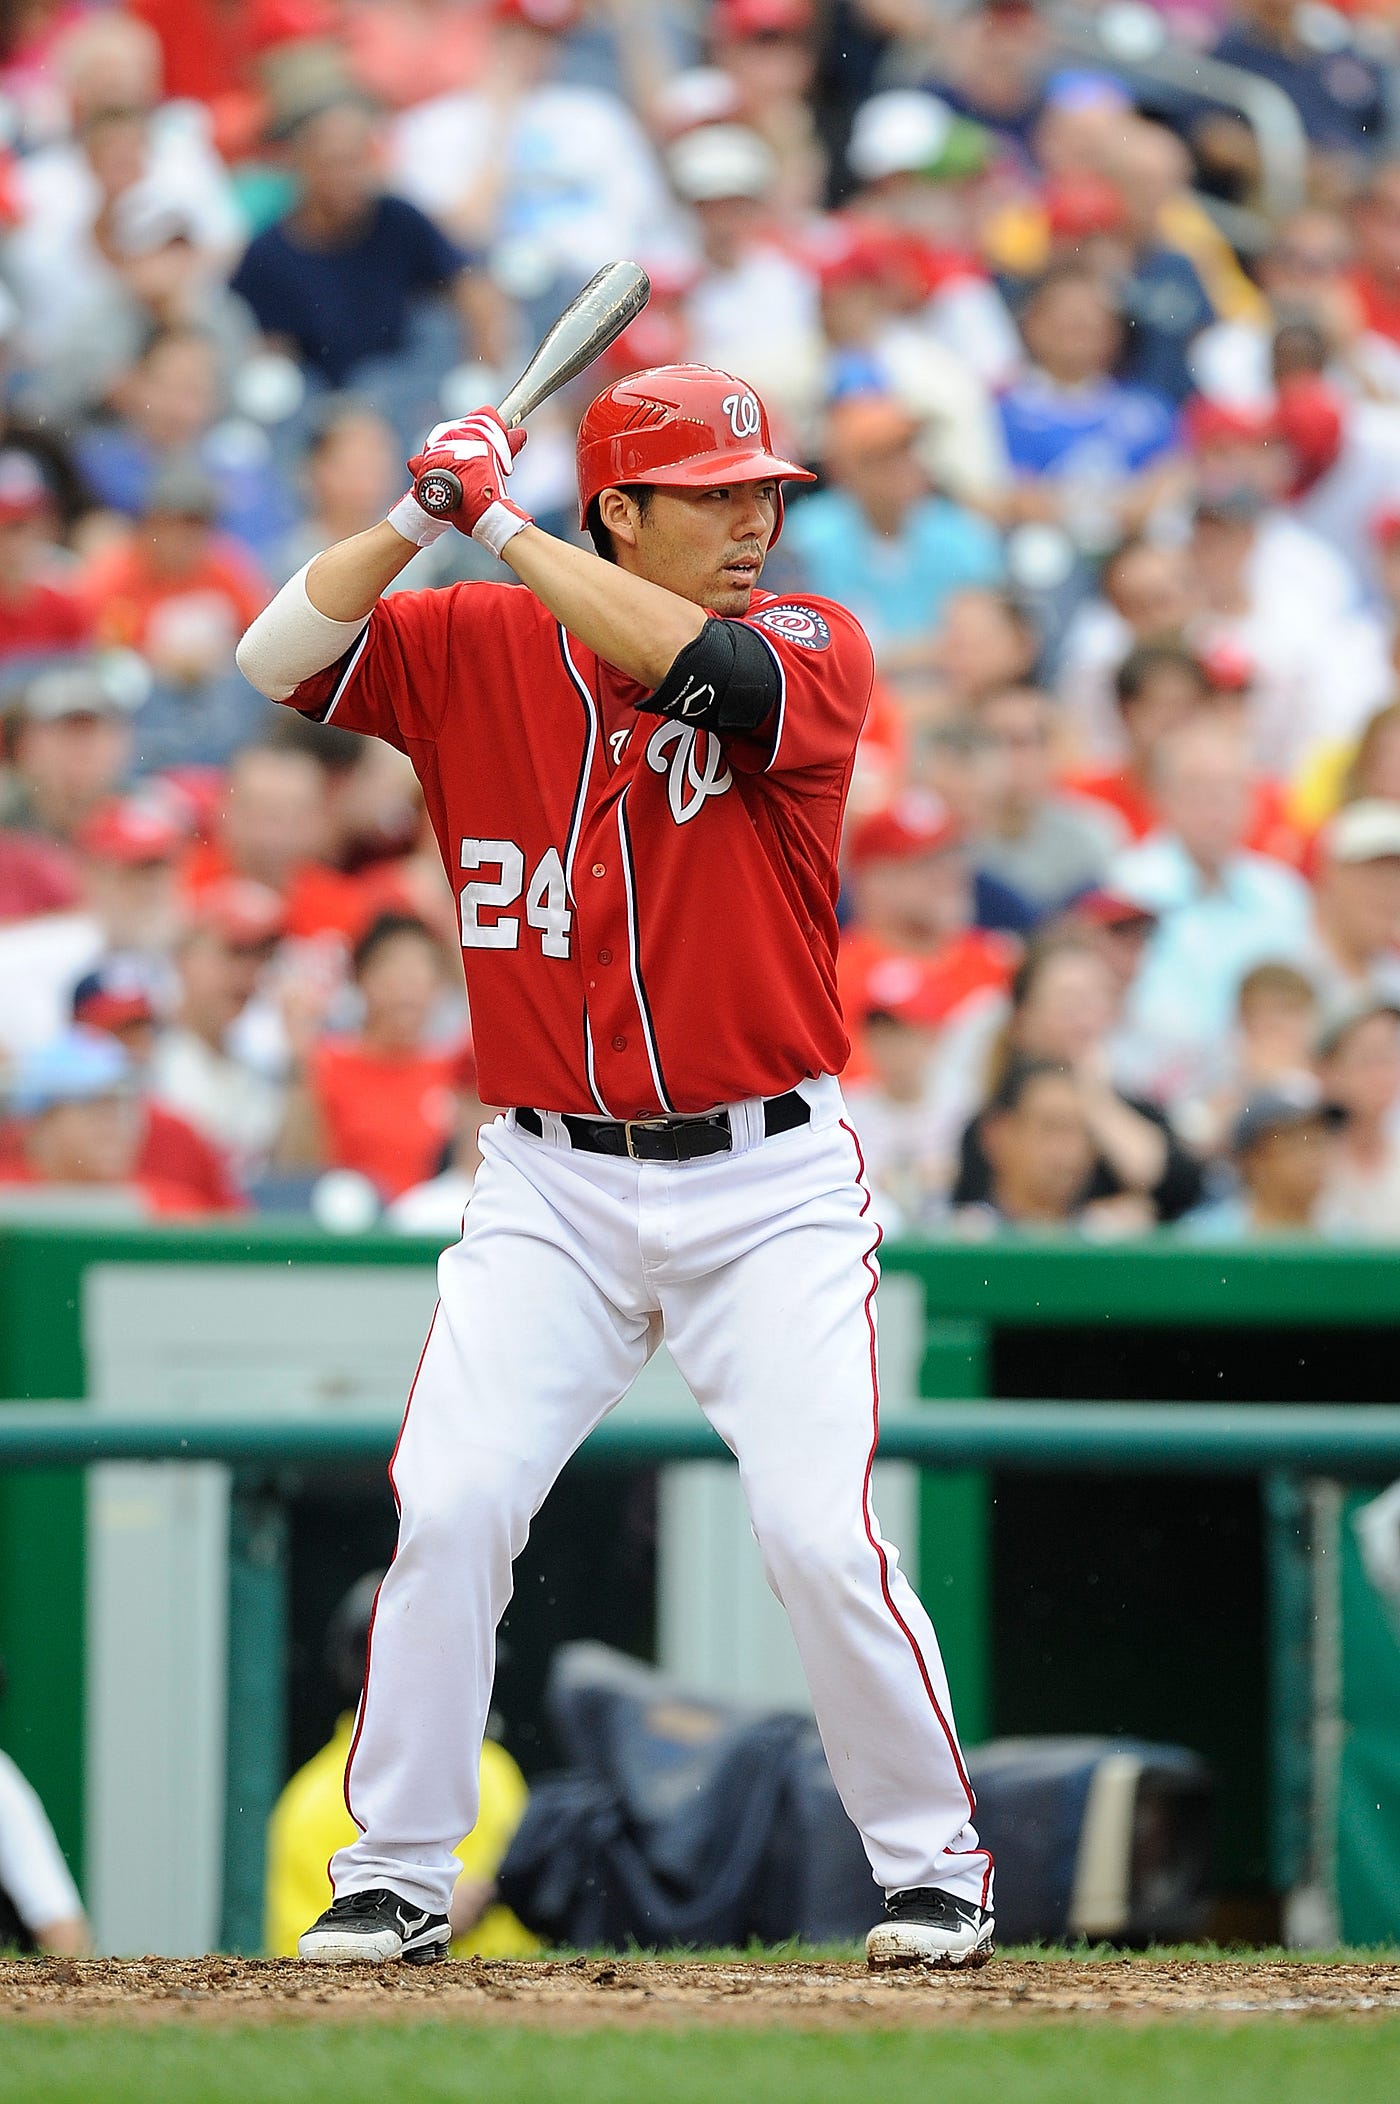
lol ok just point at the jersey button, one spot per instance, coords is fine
(600, 869)
(619, 1044)
(605, 956)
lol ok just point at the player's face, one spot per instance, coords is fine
(707, 544)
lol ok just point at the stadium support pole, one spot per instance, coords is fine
(257, 1721)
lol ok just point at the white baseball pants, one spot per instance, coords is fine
(759, 1269)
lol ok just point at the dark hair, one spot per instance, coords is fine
(640, 493)
(331, 414)
(1042, 951)
(1071, 270)
(347, 1637)
(1146, 661)
(387, 928)
(1299, 346)
(1010, 1092)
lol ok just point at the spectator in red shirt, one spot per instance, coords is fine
(39, 613)
(382, 1102)
(1376, 227)
(182, 594)
(913, 891)
(80, 1127)
(275, 831)
(120, 999)
(1157, 686)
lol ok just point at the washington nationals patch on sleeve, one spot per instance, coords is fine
(798, 623)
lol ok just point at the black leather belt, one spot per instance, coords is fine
(669, 1139)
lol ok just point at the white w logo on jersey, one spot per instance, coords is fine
(742, 411)
(694, 773)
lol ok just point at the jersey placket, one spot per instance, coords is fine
(626, 1074)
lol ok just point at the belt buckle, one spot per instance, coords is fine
(631, 1125)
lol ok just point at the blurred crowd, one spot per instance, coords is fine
(1090, 326)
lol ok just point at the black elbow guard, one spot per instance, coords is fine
(726, 680)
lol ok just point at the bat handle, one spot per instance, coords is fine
(439, 491)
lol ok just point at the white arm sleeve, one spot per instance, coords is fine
(32, 1869)
(291, 639)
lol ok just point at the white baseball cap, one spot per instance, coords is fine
(899, 132)
(1365, 831)
(721, 160)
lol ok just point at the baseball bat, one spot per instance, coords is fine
(607, 303)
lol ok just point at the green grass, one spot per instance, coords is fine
(1261, 2062)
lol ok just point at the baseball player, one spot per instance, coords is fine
(636, 768)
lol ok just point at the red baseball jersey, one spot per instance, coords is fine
(647, 909)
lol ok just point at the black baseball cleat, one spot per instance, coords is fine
(372, 1928)
(929, 1927)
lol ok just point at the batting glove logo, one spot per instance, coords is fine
(797, 624)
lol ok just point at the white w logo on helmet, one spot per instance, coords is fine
(742, 411)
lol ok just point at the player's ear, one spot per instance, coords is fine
(620, 514)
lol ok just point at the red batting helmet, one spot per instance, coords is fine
(679, 427)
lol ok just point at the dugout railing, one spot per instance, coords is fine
(1291, 1448)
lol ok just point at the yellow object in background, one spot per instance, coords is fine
(310, 1822)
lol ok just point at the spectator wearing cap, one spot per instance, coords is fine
(1221, 909)
(181, 593)
(906, 1138)
(198, 1069)
(548, 179)
(125, 997)
(1064, 1007)
(274, 832)
(1358, 1065)
(381, 1102)
(68, 746)
(346, 278)
(80, 1127)
(126, 907)
(1039, 1153)
(752, 307)
(436, 1206)
(1342, 453)
(884, 340)
(915, 897)
(1283, 1147)
(1042, 843)
(919, 166)
(40, 612)
(1079, 438)
(169, 412)
(1354, 945)
(879, 539)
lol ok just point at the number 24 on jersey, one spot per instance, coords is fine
(546, 898)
